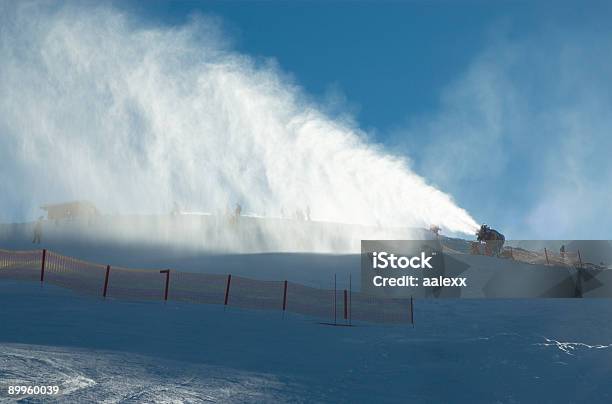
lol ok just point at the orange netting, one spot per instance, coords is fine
(146, 284)
(541, 257)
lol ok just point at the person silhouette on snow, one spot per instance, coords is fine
(37, 231)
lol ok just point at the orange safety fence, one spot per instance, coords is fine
(146, 284)
(541, 257)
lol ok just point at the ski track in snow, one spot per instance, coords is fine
(110, 377)
(570, 347)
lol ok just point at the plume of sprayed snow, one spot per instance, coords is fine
(140, 119)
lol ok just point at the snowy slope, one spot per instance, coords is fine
(459, 351)
(85, 375)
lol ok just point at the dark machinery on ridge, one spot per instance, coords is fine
(493, 239)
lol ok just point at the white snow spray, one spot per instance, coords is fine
(139, 119)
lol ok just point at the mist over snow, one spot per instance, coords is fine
(136, 119)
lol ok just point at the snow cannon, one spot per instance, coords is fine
(493, 239)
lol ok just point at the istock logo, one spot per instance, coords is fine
(382, 260)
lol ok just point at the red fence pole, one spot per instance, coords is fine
(106, 280)
(42, 265)
(167, 272)
(546, 253)
(285, 297)
(350, 301)
(345, 305)
(227, 288)
(335, 293)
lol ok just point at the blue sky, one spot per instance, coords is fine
(409, 74)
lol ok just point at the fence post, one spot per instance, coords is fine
(285, 297)
(546, 253)
(106, 280)
(411, 311)
(227, 288)
(345, 305)
(42, 265)
(167, 272)
(350, 301)
(335, 321)
(580, 258)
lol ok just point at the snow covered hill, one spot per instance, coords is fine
(459, 351)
